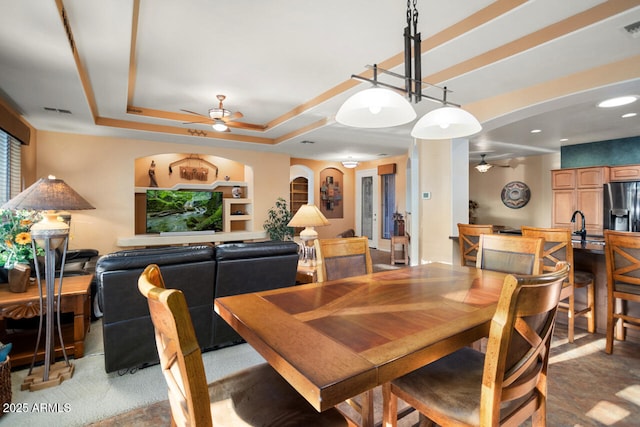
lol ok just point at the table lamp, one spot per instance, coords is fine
(49, 195)
(308, 216)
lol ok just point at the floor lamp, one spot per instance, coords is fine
(49, 195)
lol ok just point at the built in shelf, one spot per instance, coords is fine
(193, 186)
(144, 240)
(237, 222)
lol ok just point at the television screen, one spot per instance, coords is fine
(183, 211)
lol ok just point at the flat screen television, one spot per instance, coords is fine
(183, 211)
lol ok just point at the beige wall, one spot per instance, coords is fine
(102, 170)
(435, 213)
(535, 171)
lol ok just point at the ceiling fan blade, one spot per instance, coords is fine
(233, 116)
(193, 112)
(200, 121)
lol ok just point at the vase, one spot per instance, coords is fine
(236, 192)
(19, 278)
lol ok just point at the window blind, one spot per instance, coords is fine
(10, 164)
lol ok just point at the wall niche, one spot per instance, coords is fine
(189, 171)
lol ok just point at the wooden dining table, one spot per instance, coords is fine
(334, 340)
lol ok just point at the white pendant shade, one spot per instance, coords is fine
(375, 108)
(446, 123)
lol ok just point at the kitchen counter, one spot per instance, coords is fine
(592, 244)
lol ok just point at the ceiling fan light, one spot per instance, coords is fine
(375, 108)
(483, 166)
(219, 113)
(446, 123)
(220, 126)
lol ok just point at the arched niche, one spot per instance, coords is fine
(300, 171)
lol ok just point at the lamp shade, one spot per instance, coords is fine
(375, 107)
(446, 123)
(48, 194)
(308, 216)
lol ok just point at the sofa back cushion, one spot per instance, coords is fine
(127, 328)
(251, 267)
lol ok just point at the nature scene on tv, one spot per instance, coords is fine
(180, 211)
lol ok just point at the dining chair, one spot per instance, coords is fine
(338, 258)
(510, 253)
(558, 247)
(468, 239)
(254, 396)
(506, 386)
(622, 258)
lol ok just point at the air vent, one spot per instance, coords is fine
(633, 29)
(306, 141)
(57, 110)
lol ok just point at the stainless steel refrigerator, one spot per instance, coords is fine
(622, 206)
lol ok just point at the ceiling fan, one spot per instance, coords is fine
(483, 166)
(219, 117)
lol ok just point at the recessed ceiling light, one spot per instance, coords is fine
(564, 139)
(626, 116)
(616, 102)
(536, 131)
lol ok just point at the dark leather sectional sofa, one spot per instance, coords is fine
(203, 273)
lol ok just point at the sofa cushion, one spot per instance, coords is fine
(231, 251)
(140, 258)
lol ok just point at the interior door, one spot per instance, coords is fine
(367, 205)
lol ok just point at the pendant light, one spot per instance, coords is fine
(446, 123)
(375, 107)
(380, 107)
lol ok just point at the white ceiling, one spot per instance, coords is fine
(287, 64)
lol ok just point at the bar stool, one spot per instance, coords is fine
(400, 240)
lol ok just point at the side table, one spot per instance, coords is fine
(76, 299)
(306, 273)
(400, 240)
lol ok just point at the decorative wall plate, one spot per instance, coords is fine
(515, 194)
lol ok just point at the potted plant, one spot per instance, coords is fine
(16, 252)
(277, 220)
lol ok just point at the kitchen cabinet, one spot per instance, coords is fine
(625, 173)
(579, 189)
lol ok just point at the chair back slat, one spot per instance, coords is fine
(179, 351)
(557, 246)
(468, 240)
(343, 257)
(510, 254)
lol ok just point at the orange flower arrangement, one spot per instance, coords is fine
(15, 237)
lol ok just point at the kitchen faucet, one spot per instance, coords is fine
(583, 231)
